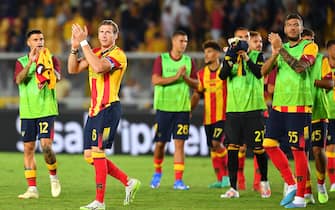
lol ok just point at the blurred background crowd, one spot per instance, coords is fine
(145, 27)
(147, 24)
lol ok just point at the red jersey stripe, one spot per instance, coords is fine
(293, 109)
(215, 91)
(105, 97)
(93, 95)
(212, 76)
(105, 86)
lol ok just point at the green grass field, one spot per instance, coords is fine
(78, 186)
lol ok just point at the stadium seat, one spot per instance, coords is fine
(38, 23)
(51, 30)
(4, 26)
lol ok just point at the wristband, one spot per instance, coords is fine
(74, 51)
(83, 43)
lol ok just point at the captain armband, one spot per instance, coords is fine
(111, 62)
(301, 66)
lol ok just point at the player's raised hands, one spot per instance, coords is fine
(244, 54)
(33, 54)
(275, 41)
(78, 34)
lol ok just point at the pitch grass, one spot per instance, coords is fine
(78, 188)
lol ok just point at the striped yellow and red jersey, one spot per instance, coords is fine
(105, 86)
(214, 91)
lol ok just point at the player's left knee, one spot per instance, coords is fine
(330, 147)
(216, 146)
(317, 151)
(46, 149)
(243, 148)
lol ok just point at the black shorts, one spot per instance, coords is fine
(214, 132)
(319, 134)
(245, 128)
(293, 128)
(40, 127)
(331, 132)
(171, 123)
(100, 130)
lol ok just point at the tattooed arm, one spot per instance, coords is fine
(307, 59)
(297, 65)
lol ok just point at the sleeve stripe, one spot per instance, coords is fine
(308, 58)
(114, 63)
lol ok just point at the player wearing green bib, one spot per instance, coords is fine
(290, 116)
(320, 80)
(31, 96)
(244, 112)
(330, 144)
(173, 75)
(36, 75)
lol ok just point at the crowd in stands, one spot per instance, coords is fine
(146, 25)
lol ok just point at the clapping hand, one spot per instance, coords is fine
(275, 41)
(34, 53)
(181, 72)
(78, 34)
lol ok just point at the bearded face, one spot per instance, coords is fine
(293, 29)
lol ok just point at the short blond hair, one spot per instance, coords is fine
(111, 23)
